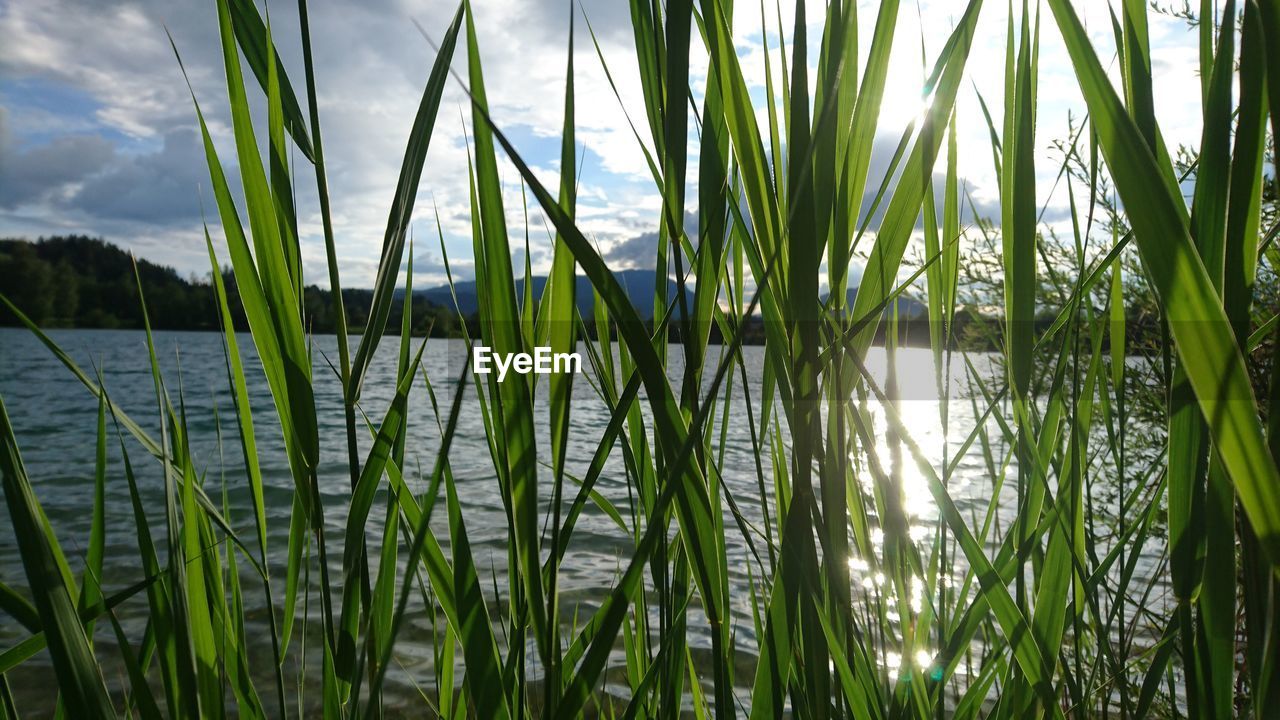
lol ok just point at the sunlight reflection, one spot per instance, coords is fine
(908, 600)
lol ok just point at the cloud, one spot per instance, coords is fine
(981, 190)
(111, 150)
(161, 187)
(634, 252)
(131, 104)
(114, 51)
(46, 173)
(641, 251)
(429, 266)
(88, 174)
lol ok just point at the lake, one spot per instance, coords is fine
(54, 417)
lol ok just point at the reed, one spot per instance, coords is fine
(857, 607)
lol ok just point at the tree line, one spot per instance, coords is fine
(85, 282)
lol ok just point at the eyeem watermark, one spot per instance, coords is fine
(542, 362)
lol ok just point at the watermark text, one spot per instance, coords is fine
(541, 362)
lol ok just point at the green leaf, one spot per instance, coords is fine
(80, 683)
(1205, 342)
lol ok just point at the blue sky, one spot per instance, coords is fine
(98, 136)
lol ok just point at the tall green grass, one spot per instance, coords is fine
(1038, 613)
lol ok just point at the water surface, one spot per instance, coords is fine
(54, 417)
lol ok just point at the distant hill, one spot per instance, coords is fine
(909, 308)
(638, 284)
(80, 281)
(86, 282)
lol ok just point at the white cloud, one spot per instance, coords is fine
(371, 68)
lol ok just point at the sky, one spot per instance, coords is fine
(98, 134)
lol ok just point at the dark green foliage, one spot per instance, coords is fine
(79, 281)
(85, 282)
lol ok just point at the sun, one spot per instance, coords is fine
(903, 103)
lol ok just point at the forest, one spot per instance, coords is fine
(85, 282)
(78, 281)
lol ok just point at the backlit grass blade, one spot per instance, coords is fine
(402, 207)
(1018, 235)
(80, 681)
(673, 150)
(362, 497)
(713, 225)
(193, 679)
(1240, 277)
(197, 590)
(24, 650)
(1139, 98)
(159, 602)
(500, 329)
(904, 206)
(740, 122)
(91, 588)
(1205, 343)
(230, 616)
(249, 451)
(557, 312)
(1216, 603)
(279, 175)
(19, 608)
(691, 498)
(251, 34)
(861, 139)
(271, 266)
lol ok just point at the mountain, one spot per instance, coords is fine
(638, 285)
(909, 308)
(86, 282)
